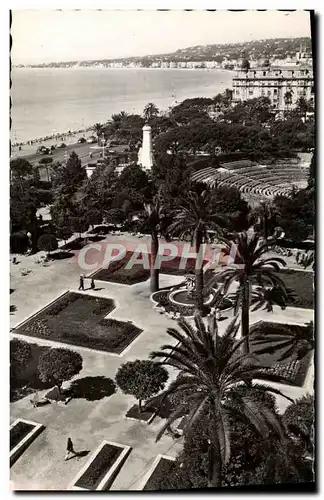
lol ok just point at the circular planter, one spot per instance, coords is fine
(173, 299)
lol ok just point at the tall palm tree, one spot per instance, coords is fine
(150, 111)
(210, 367)
(288, 98)
(264, 215)
(98, 128)
(156, 221)
(194, 217)
(249, 268)
(302, 106)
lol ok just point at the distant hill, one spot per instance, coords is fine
(278, 48)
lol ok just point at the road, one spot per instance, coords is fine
(61, 154)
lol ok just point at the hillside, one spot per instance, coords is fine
(278, 48)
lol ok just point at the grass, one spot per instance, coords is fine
(99, 467)
(161, 471)
(301, 283)
(78, 320)
(117, 272)
(18, 432)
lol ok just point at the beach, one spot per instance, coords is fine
(50, 102)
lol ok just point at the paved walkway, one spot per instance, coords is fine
(42, 465)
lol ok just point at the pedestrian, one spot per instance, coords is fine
(81, 286)
(70, 452)
(93, 286)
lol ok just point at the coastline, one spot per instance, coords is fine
(72, 134)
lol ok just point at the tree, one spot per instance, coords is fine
(264, 217)
(64, 232)
(288, 98)
(194, 218)
(47, 242)
(302, 106)
(150, 111)
(212, 367)
(299, 420)
(156, 221)
(69, 178)
(98, 128)
(141, 378)
(248, 267)
(57, 365)
(20, 356)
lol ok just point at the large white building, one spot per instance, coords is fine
(283, 85)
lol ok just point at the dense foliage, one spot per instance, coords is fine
(57, 365)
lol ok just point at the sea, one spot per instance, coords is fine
(49, 101)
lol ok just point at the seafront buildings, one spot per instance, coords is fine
(283, 84)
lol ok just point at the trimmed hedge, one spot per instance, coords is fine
(162, 470)
(301, 283)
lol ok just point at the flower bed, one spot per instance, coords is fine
(293, 369)
(161, 467)
(102, 468)
(79, 320)
(116, 272)
(22, 433)
(301, 283)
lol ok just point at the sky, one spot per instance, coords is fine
(72, 35)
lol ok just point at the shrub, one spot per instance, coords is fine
(19, 242)
(20, 355)
(299, 420)
(141, 378)
(47, 242)
(57, 365)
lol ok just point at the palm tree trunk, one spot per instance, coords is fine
(139, 406)
(245, 314)
(199, 277)
(214, 465)
(154, 283)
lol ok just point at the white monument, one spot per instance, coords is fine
(145, 153)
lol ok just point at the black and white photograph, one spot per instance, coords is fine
(162, 215)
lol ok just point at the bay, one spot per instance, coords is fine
(47, 101)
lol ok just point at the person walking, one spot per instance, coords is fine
(92, 286)
(81, 285)
(70, 451)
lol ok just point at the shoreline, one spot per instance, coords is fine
(67, 135)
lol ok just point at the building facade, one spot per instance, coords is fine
(283, 85)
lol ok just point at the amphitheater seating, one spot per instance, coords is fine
(261, 180)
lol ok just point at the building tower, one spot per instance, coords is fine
(145, 154)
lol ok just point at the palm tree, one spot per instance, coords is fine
(249, 267)
(194, 217)
(156, 221)
(264, 215)
(302, 106)
(210, 367)
(150, 111)
(288, 98)
(98, 128)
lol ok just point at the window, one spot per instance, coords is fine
(264, 73)
(275, 91)
(269, 92)
(250, 92)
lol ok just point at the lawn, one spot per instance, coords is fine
(18, 432)
(301, 283)
(79, 320)
(117, 273)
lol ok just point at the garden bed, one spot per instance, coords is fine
(101, 470)
(293, 369)
(301, 284)
(116, 272)
(22, 433)
(161, 467)
(79, 320)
